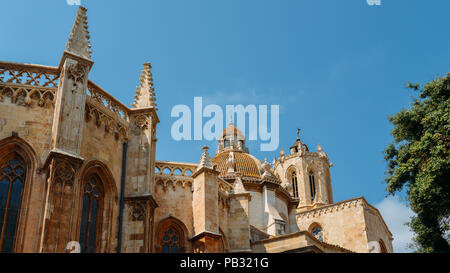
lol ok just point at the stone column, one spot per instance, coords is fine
(205, 203)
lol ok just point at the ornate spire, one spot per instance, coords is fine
(78, 42)
(145, 94)
(205, 160)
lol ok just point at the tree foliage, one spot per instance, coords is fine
(418, 161)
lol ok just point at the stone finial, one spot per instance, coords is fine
(266, 165)
(319, 148)
(78, 42)
(145, 94)
(266, 168)
(231, 163)
(205, 160)
(281, 152)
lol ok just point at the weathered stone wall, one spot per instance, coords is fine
(256, 210)
(205, 202)
(33, 124)
(238, 223)
(376, 229)
(282, 208)
(224, 209)
(300, 242)
(342, 224)
(133, 232)
(100, 145)
(176, 201)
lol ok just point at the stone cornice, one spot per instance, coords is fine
(205, 234)
(77, 58)
(143, 197)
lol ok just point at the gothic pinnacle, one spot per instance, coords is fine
(78, 42)
(145, 94)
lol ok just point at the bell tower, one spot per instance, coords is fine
(305, 174)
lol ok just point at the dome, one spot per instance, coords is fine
(299, 144)
(245, 163)
(232, 130)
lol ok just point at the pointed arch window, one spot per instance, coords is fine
(294, 184)
(170, 237)
(92, 214)
(12, 179)
(312, 185)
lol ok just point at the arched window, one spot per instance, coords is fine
(312, 185)
(92, 214)
(294, 184)
(170, 236)
(318, 233)
(12, 179)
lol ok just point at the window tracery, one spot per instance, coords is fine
(12, 179)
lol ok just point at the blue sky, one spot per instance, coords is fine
(336, 68)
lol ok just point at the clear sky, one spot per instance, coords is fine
(336, 68)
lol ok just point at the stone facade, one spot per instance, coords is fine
(77, 165)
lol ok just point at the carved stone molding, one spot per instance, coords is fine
(142, 121)
(140, 207)
(64, 171)
(28, 85)
(137, 210)
(77, 72)
(62, 167)
(330, 209)
(111, 125)
(174, 182)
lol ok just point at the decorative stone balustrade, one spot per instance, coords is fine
(28, 85)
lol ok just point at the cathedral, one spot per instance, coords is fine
(78, 169)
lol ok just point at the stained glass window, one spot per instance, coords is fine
(91, 215)
(12, 178)
(170, 241)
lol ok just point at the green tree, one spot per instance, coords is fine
(418, 161)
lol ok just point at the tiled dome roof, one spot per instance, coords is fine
(245, 164)
(232, 130)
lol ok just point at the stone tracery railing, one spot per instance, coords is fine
(28, 84)
(174, 173)
(167, 168)
(106, 111)
(100, 98)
